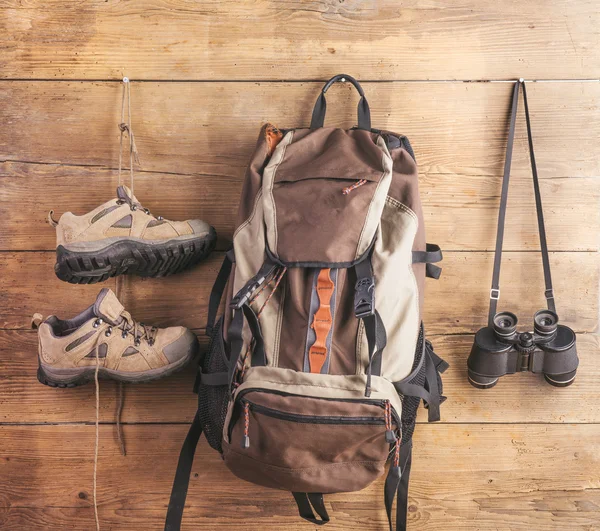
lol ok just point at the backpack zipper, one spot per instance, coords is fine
(381, 403)
(311, 419)
(390, 416)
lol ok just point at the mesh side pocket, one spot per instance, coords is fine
(410, 404)
(212, 399)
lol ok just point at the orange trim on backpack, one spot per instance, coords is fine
(322, 322)
(273, 136)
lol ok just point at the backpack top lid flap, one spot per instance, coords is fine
(324, 190)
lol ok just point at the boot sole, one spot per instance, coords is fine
(67, 378)
(131, 256)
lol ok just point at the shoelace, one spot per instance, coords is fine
(125, 127)
(139, 331)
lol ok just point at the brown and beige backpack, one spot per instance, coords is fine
(317, 366)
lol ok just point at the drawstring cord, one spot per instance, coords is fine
(97, 384)
(121, 389)
(125, 127)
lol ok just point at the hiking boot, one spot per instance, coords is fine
(121, 237)
(106, 334)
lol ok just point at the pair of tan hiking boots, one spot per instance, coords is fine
(118, 237)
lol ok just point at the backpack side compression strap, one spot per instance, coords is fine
(182, 477)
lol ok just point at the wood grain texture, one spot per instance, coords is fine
(521, 456)
(475, 477)
(299, 40)
(210, 128)
(460, 210)
(456, 303)
(520, 398)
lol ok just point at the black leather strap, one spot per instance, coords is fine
(364, 113)
(495, 291)
(217, 291)
(540, 212)
(304, 501)
(182, 477)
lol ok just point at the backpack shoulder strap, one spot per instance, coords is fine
(182, 476)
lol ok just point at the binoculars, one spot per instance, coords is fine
(499, 349)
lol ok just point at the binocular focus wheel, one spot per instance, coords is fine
(481, 382)
(560, 380)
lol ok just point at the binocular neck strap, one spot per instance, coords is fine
(495, 291)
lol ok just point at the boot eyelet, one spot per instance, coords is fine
(137, 342)
(124, 335)
(133, 208)
(160, 218)
(97, 323)
(108, 331)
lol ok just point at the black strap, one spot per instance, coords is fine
(182, 476)
(376, 339)
(217, 291)
(236, 342)
(213, 379)
(432, 254)
(304, 501)
(430, 392)
(364, 308)
(364, 113)
(259, 358)
(495, 291)
(549, 293)
(397, 483)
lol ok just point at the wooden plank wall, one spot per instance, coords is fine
(205, 76)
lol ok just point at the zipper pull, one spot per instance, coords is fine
(246, 438)
(390, 436)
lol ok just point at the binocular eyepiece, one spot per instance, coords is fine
(500, 349)
(545, 323)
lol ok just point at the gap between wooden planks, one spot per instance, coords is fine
(460, 209)
(463, 477)
(267, 39)
(456, 303)
(520, 398)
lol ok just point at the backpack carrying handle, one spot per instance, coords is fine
(364, 113)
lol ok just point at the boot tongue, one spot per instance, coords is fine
(108, 307)
(124, 194)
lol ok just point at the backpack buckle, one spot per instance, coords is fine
(364, 297)
(243, 296)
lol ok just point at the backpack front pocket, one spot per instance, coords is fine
(323, 195)
(307, 444)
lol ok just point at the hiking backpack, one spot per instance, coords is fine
(316, 367)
